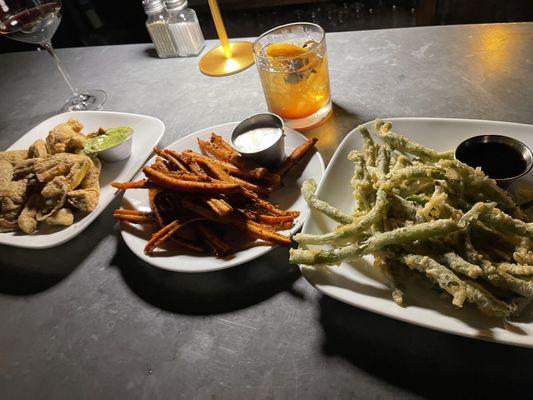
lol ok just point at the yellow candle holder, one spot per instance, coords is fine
(228, 58)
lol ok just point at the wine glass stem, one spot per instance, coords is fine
(47, 45)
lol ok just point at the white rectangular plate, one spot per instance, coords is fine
(358, 284)
(147, 131)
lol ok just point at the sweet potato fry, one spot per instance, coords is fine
(219, 246)
(179, 157)
(224, 155)
(222, 175)
(199, 209)
(263, 204)
(134, 212)
(282, 226)
(137, 219)
(219, 207)
(152, 195)
(271, 208)
(249, 214)
(144, 184)
(169, 182)
(217, 171)
(206, 148)
(217, 140)
(238, 161)
(165, 233)
(168, 155)
(262, 232)
(272, 178)
(226, 166)
(296, 156)
(186, 176)
(161, 236)
(199, 171)
(273, 220)
(160, 165)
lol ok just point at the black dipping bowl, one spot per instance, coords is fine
(502, 158)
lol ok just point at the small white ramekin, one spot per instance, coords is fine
(118, 152)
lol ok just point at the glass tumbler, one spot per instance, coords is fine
(293, 67)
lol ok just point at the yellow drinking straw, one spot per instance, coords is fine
(221, 29)
(228, 58)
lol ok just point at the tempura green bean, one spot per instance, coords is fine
(393, 160)
(506, 224)
(406, 234)
(413, 172)
(475, 212)
(477, 183)
(497, 278)
(404, 145)
(308, 191)
(391, 272)
(402, 208)
(454, 261)
(517, 285)
(515, 269)
(440, 275)
(523, 253)
(382, 162)
(459, 289)
(362, 185)
(350, 231)
(370, 150)
(401, 162)
(486, 302)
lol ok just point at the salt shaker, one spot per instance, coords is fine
(157, 27)
(184, 27)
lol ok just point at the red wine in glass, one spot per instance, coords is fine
(34, 21)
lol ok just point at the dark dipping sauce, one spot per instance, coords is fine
(497, 160)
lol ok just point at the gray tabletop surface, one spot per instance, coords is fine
(89, 320)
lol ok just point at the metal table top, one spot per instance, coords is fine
(89, 320)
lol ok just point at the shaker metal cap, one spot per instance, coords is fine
(175, 5)
(152, 6)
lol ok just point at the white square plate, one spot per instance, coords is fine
(147, 131)
(357, 283)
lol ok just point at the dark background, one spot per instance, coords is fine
(105, 22)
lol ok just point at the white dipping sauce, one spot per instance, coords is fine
(257, 139)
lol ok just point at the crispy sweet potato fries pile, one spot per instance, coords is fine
(214, 201)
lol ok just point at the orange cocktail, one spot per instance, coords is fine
(293, 68)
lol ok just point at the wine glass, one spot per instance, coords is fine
(36, 21)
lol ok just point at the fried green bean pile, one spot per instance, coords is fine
(421, 211)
